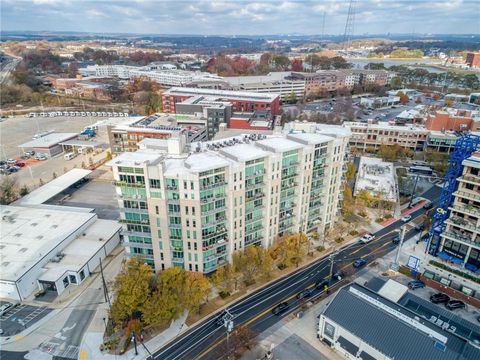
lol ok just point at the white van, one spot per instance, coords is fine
(69, 156)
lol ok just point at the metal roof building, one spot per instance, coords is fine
(360, 323)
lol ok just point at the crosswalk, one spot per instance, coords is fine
(57, 349)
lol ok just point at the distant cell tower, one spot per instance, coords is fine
(349, 26)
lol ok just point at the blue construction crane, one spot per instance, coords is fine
(464, 147)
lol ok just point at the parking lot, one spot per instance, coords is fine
(99, 195)
(20, 317)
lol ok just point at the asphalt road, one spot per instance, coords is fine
(204, 341)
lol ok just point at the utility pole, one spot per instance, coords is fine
(332, 260)
(228, 324)
(413, 191)
(394, 265)
(105, 290)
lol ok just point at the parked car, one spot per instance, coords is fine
(338, 275)
(359, 263)
(416, 284)
(439, 298)
(407, 218)
(305, 293)
(280, 308)
(11, 161)
(455, 304)
(367, 238)
(20, 164)
(5, 307)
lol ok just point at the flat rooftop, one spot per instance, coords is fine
(81, 250)
(273, 76)
(310, 138)
(377, 177)
(49, 140)
(279, 144)
(29, 234)
(385, 126)
(136, 158)
(54, 187)
(222, 94)
(244, 152)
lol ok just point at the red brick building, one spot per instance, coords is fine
(241, 101)
(461, 120)
(473, 59)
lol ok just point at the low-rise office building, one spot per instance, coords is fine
(372, 136)
(127, 136)
(379, 102)
(450, 119)
(441, 141)
(242, 101)
(194, 208)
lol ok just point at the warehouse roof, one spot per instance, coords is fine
(394, 330)
(48, 141)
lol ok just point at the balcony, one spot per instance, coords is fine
(217, 232)
(257, 195)
(253, 219)
(213, 185)
(471, 178)
(172, 187)
(212, 198)
(467, 195)
(460, 222)
(254, 186)
(136, 222)
(254, 229)
(214, 223)
(132, 210)
(136, 233)
(127, 184)
(255, 174)
(467, 209)
(127, 243)
(459, 237)
(214, 210)
(315, 205)
(178, 259)
(289, 176)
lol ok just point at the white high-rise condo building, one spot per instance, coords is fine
(192, 207)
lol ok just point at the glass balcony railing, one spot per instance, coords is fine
(127, 184)
(254, 185)
(255, 174)
(213, 185)
(136, 222)
(254, 196)
(131, 210)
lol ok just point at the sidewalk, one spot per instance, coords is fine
(93, 338)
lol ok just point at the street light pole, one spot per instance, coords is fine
(134, 338)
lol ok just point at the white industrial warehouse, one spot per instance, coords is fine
(47, 247)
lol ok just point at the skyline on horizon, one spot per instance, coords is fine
(228, 18)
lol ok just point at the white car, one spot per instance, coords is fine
(407, 218)
(365, 239)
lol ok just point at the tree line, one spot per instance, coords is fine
(157, 299)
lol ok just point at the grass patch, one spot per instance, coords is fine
(455, 271)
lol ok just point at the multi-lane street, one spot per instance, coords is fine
(255, 310)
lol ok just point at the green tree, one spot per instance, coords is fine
(24, 190)
(396, 82)
(8, 189)
(131, 290)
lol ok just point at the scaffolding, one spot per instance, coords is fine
(464, 147)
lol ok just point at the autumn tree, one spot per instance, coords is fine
(241, 339)
(253, 263)
(223, 278)
(290, 250)
(296, 65)
(131, 290)
(197, 289)
(351, 170)
(404, 99)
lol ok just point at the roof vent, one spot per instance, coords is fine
(33, 224)
(18, 235)
(23, 250)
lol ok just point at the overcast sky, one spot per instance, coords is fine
(212, 17)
